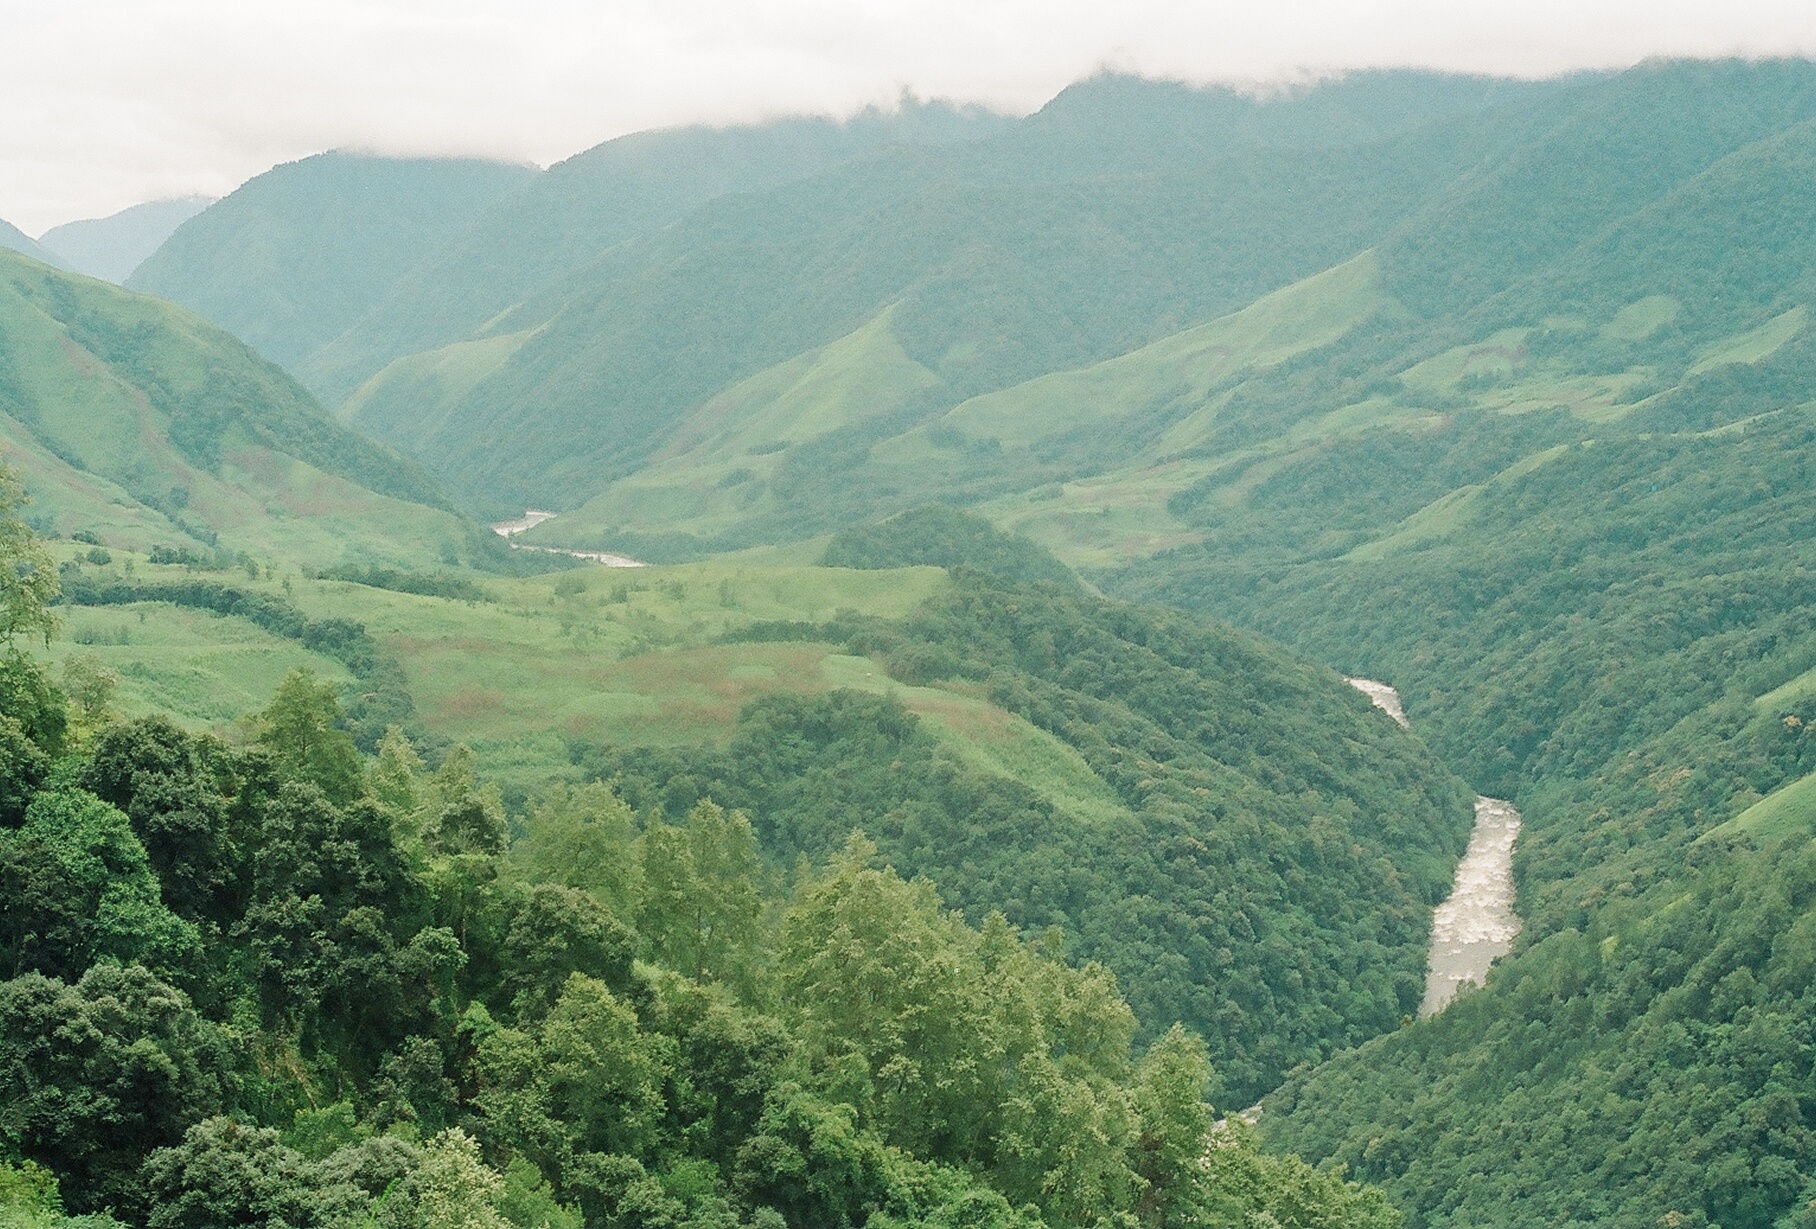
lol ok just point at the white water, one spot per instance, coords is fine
(533, 517)
(1477, 924)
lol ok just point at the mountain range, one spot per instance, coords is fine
(1496, 391)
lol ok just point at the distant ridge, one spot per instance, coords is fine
(16, 240)
(110, 248)
(294, 256)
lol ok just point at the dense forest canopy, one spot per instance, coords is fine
(284, 983)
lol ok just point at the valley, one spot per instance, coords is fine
(1476, 924)
(827, 672)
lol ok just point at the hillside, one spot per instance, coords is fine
(1195, 766)
(579, 209)
(988, 258)
(268, 980)
(135, 422)
(292, 257)
(110, 248)
(808, 431)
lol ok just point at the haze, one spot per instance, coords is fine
(113, 103)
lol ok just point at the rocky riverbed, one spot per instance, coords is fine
(1477, 924)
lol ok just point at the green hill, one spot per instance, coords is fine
(292, 257)
(570, 215)
(989, 256)
(977, 262)
(138, 423)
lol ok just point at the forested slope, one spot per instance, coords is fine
(272, 982)
(1603, 615)
(1267, 867)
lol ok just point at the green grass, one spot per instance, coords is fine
(1184, 366)
(1784, 812)
(130, 418)
(1754, 344)
(607, 655)
(412, 396)
(989, 738)
(710, 475)
(1640, 319)
(203, 670)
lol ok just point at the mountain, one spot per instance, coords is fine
(142, 425)
(292, 257)
(579, 209)
(15, 240)
(111, 248)
(1056, 242)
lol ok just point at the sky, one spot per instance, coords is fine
(112, 102)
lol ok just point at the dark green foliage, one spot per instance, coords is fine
(943, 537)
(1590, 640)
(175, 788)
(95, 1075)
(32, 701)
(76, 887)
(1658, 1060)
(557, 933)
(399, 580)
(1618, 145)
(334, 927)
(23, 766)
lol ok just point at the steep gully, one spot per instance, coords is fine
(1472, 928)
(1477, 923)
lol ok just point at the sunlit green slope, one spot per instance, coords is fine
(138, 423)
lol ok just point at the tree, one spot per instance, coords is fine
(302, 730)
(581, 838)
(23, 767)
(700, 900)
(586, 1079)
(170, 784)
(76, 886)
(28, 578)
(95, 1075)
(1175, 1125)
(559, 932)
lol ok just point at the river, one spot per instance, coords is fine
(533, 517)
(1476, 924)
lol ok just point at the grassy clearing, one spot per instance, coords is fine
(612, 655)
(203, 670)
(1784, 812)
(1754, 344)
(1186, 365)
(605, 655)
(989, 738)
(711, 473)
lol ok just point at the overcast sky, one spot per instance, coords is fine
(111, 102)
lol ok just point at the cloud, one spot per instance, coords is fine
(111, 102)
